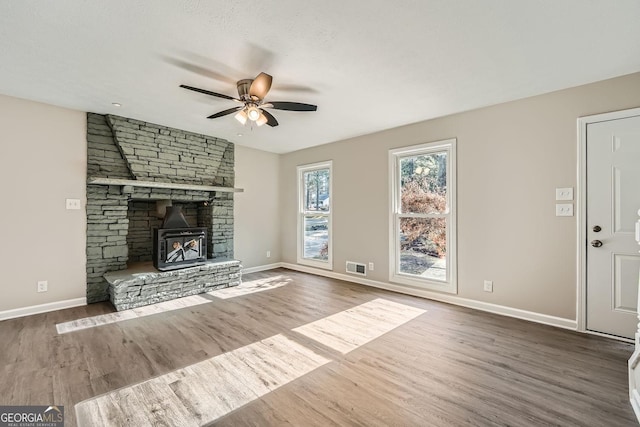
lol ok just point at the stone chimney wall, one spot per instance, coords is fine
(122, 148)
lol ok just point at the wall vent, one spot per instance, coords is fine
(356, 268)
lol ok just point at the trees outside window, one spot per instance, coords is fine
(314, 216)
(422, 230)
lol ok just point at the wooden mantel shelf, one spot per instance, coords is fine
(153, 184)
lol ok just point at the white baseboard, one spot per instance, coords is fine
(261, 268)
(450, 299)
(42, 308)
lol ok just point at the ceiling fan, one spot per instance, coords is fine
(251, 94)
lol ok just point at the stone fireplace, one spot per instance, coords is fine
(135, 171)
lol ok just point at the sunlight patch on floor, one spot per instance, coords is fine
(203, 392)
(244, 288)
(134, 313)
(352, 328)
(250, 287)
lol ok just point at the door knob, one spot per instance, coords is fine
(596, 243)
(596, 228)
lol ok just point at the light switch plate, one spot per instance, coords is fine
(43, 286)
(488, 285)
(73, 204)
(564, 209)
(564, 193)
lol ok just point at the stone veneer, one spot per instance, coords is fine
(131, 290)
(130, 149)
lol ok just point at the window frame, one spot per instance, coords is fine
(301, 170)
(395, 214)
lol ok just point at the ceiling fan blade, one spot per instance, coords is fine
(225, 112)
(261, 85)
(271, 121)
(207, 92)
(193, 66)
(291, 106)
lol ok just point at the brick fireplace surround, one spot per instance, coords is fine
(133, 168)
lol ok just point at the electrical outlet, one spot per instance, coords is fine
(268, 254)
(43, 286)
(73, 204)
(370, 266)
(564, 193)
(564, 209)
(488, 286)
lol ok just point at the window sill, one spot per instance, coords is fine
(315, 264)
(432, 285)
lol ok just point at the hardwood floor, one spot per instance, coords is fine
(441, 365)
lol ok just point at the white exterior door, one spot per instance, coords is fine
(613, 200)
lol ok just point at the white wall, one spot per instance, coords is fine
(511, 157)
(43, 162)
(257, 209)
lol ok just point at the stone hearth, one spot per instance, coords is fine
(142, 285)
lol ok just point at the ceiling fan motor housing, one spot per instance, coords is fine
(243, 89)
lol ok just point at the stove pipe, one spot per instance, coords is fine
(174, 218)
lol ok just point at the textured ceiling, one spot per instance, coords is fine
(368, 65)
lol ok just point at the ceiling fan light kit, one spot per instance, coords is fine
(253, 113)
(241, 116)
(262, 120)
(251, 93)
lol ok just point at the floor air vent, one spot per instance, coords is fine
(356, 268)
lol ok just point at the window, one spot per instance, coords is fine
(314, 217)
(423, 217)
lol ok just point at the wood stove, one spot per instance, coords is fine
(176, 245)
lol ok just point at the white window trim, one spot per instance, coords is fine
(327, 265)
(451, 285)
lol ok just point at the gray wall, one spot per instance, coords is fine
(511, 157)
(43, 162)
(257, 209)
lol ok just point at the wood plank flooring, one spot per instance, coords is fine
(119, 316)
(443, 366)
(205, 391)
(352, 328)
(245, 288)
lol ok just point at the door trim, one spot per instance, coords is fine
(581, 212)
